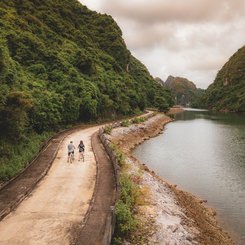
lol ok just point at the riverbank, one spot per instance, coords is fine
(175, 109)
(167, 214)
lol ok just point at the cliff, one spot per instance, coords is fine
(227, 92)
(184, 91)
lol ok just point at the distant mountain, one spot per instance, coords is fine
(184, 91)
(227, 92)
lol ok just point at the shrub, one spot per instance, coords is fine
(14, 159)
(125, 220)
(117, 241)
(119, 154)
(125, 123)
(107, 129)
(129, 190)
(138, 120)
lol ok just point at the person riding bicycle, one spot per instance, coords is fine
(71, 149)
(81, 148)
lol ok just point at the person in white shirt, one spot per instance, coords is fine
(71, 149)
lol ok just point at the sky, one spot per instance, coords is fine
(185, 38)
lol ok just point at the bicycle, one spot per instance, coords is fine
(81, 155)
(71, 157)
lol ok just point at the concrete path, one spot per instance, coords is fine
(100, 220)
(54, 210)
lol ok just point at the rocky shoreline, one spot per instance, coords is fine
(167, 215)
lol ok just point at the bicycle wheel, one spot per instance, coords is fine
(71, 157)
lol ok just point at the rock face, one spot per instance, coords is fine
(227, 92)
(184, 91)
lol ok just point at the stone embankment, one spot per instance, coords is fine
(169, 215)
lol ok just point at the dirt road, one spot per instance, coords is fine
(59, 202)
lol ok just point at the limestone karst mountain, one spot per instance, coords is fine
(184, 91)
(227, 92)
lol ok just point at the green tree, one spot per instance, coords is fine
(46, 113)
(13, 115)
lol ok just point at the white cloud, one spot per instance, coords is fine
(174, 10)
(190, 38)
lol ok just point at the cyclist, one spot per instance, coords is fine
(71, 149)
(81, 148)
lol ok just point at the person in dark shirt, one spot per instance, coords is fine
(81, 149)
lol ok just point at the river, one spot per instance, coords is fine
(203, 152)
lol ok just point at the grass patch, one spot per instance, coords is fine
(125, 219)
(15, 157)
(137, 120)
(107, 129)
(143, 197)
(119, 154)
(125, 123)
(131, 196)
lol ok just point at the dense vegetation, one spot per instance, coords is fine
(61, 64)
(228, 90)
(185, 92)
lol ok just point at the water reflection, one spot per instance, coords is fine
(224, 118)
(204, 152)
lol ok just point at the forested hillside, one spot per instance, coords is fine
(184, 91)
(60, 64)
(228, 90)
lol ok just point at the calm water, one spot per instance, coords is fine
(204, 152)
